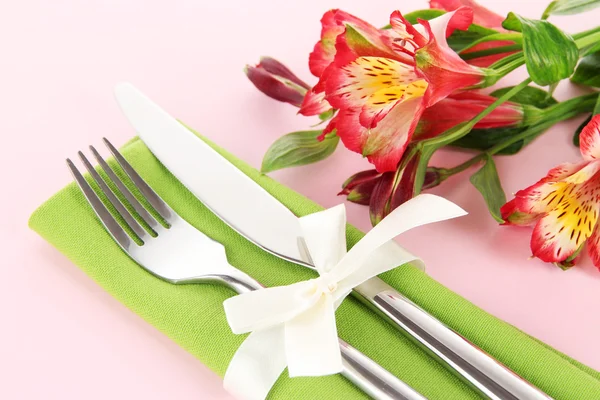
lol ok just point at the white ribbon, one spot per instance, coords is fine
(294, 325)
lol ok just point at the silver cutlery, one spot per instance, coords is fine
(269, 224)
(175, 251)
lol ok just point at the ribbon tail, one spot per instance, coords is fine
(386, 257)
(421, 210)
(311, 342)
(256, 365)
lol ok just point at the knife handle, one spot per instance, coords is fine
(477, 368)
(372, 378)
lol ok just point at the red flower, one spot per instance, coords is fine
(462, 107)
(564, 206)
(481, 16)
(381, 81)
(276, 81)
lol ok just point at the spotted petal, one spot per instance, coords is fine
(529, 204)
(334, 23)
(589, 140)
(560, 233)
(374, 81)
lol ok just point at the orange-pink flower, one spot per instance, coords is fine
(564, 206)
(381, 81)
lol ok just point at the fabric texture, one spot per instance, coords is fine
(193, 316)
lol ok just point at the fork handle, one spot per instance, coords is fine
(359, 369)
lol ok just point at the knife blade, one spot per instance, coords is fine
(266, 222)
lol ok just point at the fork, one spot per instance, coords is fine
(173, 250)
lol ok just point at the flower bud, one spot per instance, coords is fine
(277, 81)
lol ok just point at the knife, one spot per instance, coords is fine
(269, 224)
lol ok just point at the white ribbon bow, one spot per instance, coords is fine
(294, 325)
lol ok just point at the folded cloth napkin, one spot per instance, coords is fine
(192, 315)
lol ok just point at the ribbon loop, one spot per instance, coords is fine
(299, 319)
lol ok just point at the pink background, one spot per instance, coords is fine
(63, 337)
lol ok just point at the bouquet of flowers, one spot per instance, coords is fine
(399, 93)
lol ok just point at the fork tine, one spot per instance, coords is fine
(133, 224)
(111, 225)
(145, 215)
(159, 205)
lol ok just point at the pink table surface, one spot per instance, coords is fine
(63, 337)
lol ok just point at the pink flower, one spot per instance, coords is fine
(276, 81)
(462, 107)
(481, 16)
(564, 206)
(381, 81)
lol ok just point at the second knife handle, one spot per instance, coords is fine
(477, 368)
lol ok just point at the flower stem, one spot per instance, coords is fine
(462, 129)
(492, 51)
(553, 114)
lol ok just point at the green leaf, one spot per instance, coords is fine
(487, 182)
(327, 115)
(550, 54)
(484, 139)
(426, 14)
(298, 148)
(530, 95)
(588, 71)
(568, 7)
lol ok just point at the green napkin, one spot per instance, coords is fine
(192, 315)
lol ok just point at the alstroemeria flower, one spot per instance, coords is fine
(564, 206)
(464, 106)
(277, 81)
(481, 16)
(381, 81)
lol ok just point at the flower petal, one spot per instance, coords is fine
(379, 205)
(445, 71)
(593, 245)
(314, 104)
(359, 187)
(512, 215)
(559, 234)
(352, 84)
(276, 68)
(386, 142)
(324, 50)
(443, 26)
(529, 204)
(589, 140)
(275, 87)
(334, 23)
(481, 15)
(461, 107)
